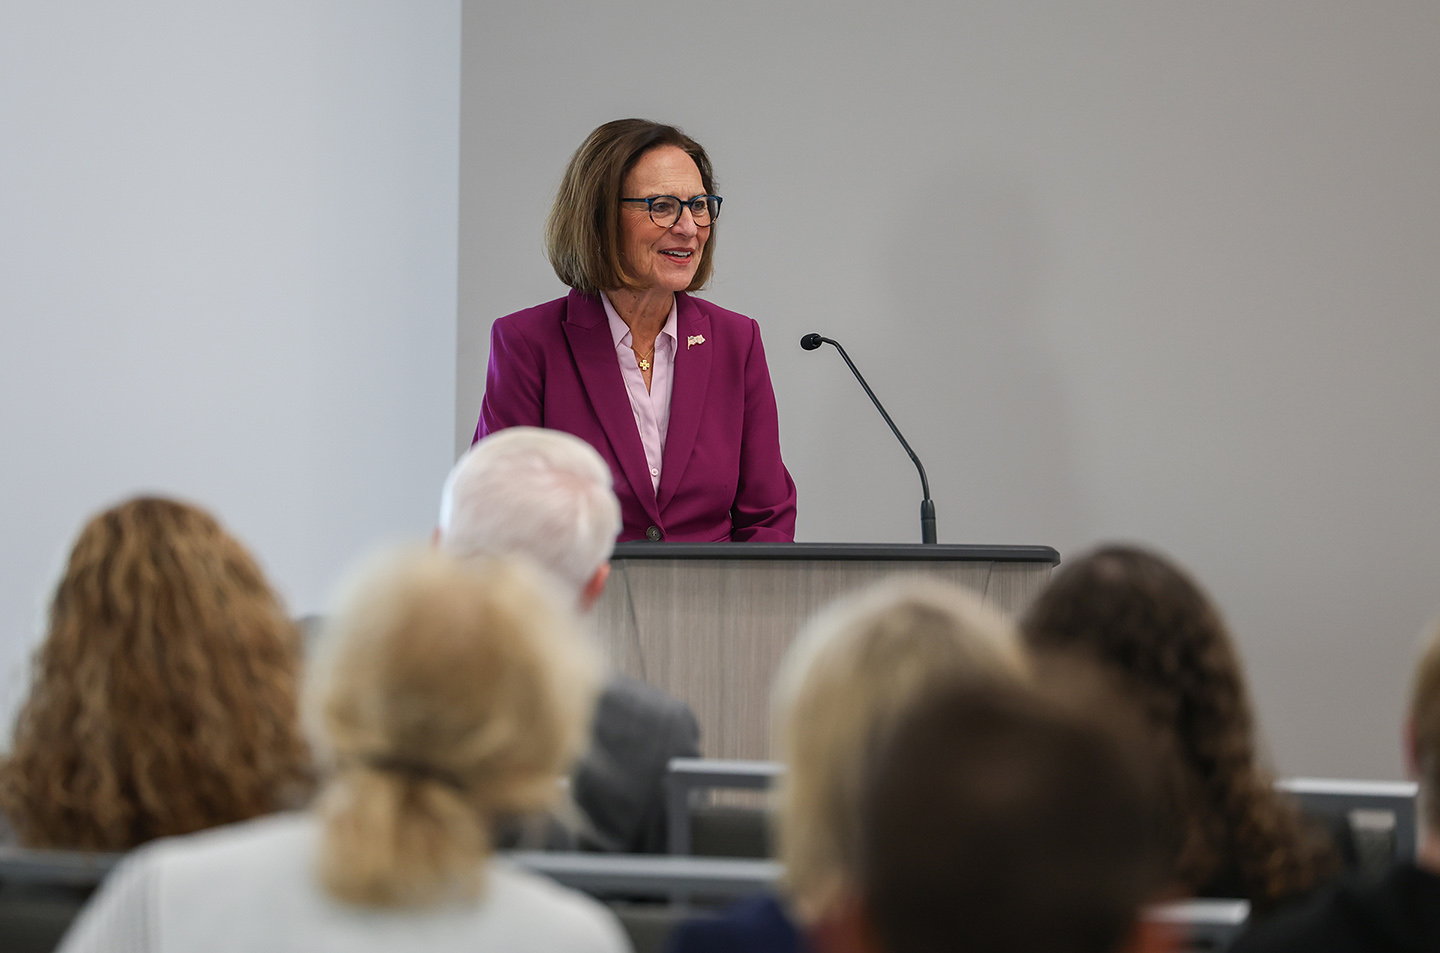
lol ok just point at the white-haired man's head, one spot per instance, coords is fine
(537, 493)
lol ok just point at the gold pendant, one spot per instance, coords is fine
(644, 364)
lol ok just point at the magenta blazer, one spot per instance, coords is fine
(554, 366)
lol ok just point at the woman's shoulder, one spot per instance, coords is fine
(550, 314)
(179, 888)
(567, 919)
(736, 334)
(259, 834)
(723, 316)
(538, 312)
(224, 878)
(256, 847)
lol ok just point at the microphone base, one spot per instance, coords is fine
(927, 522)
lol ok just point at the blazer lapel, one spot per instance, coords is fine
(588, 331)
(687, 393)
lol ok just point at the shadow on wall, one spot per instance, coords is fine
(969, 357)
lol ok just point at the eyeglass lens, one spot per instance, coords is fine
(665, 210)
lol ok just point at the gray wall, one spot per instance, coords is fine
(1156, 271)
(227, 271)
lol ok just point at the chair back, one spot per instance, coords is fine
(1377, 818)
(42, 891)
(704, 830)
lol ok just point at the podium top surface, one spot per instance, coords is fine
(826, 552)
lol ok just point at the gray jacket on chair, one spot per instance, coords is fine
(619, 783)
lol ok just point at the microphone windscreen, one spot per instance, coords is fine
(811, 341)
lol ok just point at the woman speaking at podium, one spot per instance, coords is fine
(671, 390)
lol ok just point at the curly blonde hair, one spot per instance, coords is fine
(1141, 617)
(447, 695)
(163, 698)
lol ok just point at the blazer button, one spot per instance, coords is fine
(653, 534)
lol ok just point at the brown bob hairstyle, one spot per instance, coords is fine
(163, 699)
(1147, 622)
(582, 234)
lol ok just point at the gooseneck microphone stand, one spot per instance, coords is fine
(927, 506)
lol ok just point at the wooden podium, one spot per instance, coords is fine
(709, 622)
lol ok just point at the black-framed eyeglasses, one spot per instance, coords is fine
(665, 209)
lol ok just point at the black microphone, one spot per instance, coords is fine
(927, 506)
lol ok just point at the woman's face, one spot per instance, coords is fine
(662, 259)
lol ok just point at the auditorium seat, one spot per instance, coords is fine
(649, 925)
(696, 885)
(1378, 817)
(718, 830)
(41, 891)
(1372, 822)
(726, 830)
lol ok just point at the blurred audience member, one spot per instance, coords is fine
(1401, 913)
(849, 677)
(995, 821)
(1144, 619)
(546, 495)
(446, 696)
(163, 699)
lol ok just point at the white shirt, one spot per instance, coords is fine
(652, 407)
(251, 887)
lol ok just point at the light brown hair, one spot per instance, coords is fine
(1143, 618)
(852, 673)
(448, 695)
(1425, 716)
(163, 699)
(582, 234)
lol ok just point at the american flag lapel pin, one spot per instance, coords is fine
(693, 340)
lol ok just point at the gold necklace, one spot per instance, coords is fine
(644, 360)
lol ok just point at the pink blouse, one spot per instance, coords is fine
(652, 407)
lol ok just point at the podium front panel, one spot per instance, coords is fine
(709, 623)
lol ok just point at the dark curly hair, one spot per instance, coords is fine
(1143, 618)
(163, 699)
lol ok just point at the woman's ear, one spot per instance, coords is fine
(594, 588)
(1150, 936)
(846, 928)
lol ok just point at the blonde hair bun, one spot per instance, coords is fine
(448, 693)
